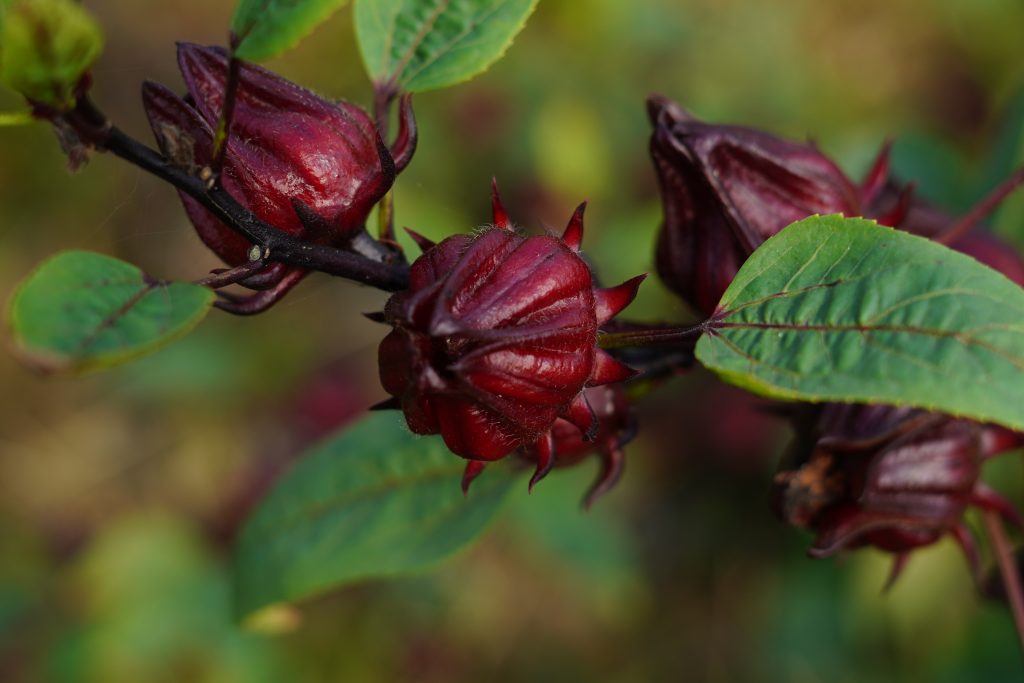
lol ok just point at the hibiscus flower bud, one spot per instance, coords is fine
(725, 190)
(893, 478)
(496, 338)
(309, 167)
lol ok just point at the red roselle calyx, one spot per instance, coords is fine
(893, 478)
(899, 208)
(496, 339)
(614, 427)
(725, 190)
(309, 167)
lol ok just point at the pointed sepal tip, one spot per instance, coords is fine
(472, 471)
(500, 215)
(609, 302)
(573, 235)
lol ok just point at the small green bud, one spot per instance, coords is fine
(46, 48)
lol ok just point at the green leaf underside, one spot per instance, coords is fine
(835, 309)
(266, 28)
(83, 311)
(418, 45)
(373, 501)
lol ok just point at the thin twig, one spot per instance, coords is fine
(1008, 569)
(654, 336)
(230, 276)
(383, 96)
(386, 218)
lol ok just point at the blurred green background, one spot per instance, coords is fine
(119, 492)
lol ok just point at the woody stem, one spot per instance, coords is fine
(1007, 569)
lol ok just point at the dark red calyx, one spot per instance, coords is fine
(892, 478)
(496, 339)
(895, 205)
(725, 190)
(602, 424)
(309, 167)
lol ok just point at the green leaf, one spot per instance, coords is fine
(266, 28)
(417, 45)
(835, 309)
(83, 311)
(374, 501)
(46, 47)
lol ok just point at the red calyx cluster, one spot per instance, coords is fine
(726, 189)
(309, 167)
(887, 477)
(893, 478)
(495, 341)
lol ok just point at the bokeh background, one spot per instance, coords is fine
(120, 492)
